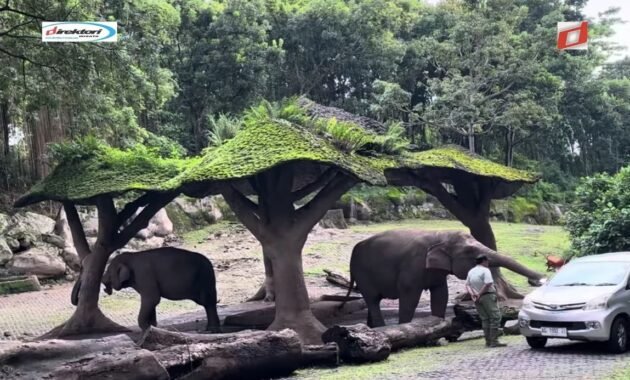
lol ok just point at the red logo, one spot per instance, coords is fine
(573, 35)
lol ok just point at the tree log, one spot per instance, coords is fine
(79, 359)
(337, 279)
(115, 364)
(466, 312)
(420, 332)
(320, 355)
(274, 353)
(155, 338)
(358, 343)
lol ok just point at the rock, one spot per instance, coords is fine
(333, 219)
(4, 222)
(5, 252)
(62, 229)
(38, 261)
(29, 221)
(55, 240)
(186, 214)
(13, 244)
(358, 343)
(71, 258)
(144, 234)
(160, 225)
(150, 243)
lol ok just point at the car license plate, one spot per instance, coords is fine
(554, 331)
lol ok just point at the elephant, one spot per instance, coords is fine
(172, 273)
(400, 264)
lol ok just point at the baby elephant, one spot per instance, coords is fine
(172, 273)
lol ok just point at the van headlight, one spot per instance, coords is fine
(528, 303)
(598, 303)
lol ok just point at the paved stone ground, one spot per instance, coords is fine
(561, 360)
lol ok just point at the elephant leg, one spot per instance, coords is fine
(153, 320)
(147, 311)
(209, 302)
(439, 299)
(375, 318)
(407, 305)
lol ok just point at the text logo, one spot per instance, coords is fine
(573, 35)
(76, 31)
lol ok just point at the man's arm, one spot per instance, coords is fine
(471, 291)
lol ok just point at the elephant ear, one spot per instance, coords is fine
(124, 274)
(438, 258)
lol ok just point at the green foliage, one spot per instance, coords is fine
(599, 218)
(394, 141)
(519, 207)
(222, 128)
(346, 136)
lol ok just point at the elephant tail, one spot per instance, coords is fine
(350, 287)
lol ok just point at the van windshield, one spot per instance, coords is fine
(591, 274)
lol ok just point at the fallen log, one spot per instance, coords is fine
(155, 338)
(420, 332)
(358, 343)
(116, 364)
(466, 312)
(320, 355)
(274, 353)
(36, 360)
(337, 279)
(324, 311)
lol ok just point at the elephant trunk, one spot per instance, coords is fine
(496, 259)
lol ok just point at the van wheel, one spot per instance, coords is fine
(618, 341)
(536, 342)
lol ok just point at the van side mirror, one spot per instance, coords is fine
(628, 286)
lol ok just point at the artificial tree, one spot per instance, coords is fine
(465, 184)
(94, 174)
(275, 163)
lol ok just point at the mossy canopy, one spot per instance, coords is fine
(105, 170)
(289, 134)
(459, 159)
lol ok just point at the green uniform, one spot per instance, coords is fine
(487, 305)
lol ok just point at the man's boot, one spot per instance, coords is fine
(494, 338)
(486, 334)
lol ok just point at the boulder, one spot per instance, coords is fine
(54, 240)
(333, 219)
(38, 261)
(5, 252)
(4, 222)
(71, 258)
(187, 214)
(160, 225)
(150, 243)
(13, 244)
(29, 221)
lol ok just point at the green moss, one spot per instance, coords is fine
(263, 145)
(107, 170)
(454, 157)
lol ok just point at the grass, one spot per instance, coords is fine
(528, 244)
(199, 236)
(622, 373)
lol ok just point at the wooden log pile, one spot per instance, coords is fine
(163, 355)
(466, 312)
(358, 343)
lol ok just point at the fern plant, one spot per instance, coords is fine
(222, 128)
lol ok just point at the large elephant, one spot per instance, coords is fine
(400, 264)
(172, 273)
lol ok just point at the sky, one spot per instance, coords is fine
(622, 32)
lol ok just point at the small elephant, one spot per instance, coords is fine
(172, 273)
(402, 263)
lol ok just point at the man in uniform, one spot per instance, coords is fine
(480, 286)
